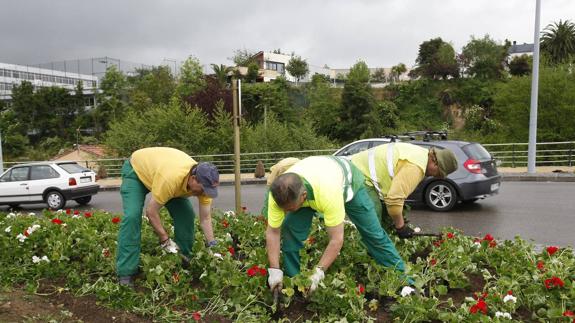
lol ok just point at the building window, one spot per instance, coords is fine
(275, 66)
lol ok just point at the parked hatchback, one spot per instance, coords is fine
(475, 178)
(52, 183)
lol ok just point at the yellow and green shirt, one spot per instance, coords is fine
(165, 172)
(326, 179)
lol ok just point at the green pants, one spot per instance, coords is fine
(360, 210)
(381, 210)
(134, 194)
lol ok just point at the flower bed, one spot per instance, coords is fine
(460, 278)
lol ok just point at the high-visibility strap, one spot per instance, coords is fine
(347, 187)
(373, 172)
(390, 160)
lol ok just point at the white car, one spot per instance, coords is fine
(361, 145)
(53, 183)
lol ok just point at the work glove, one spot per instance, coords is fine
(275, 278)
(169, 246)
(316, 278)
(405, 232)
(212, 244)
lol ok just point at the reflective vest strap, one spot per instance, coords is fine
(390, 160)
(373, 172)
(348, 178)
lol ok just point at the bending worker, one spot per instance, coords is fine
(172, 176)
(393, 171)
(333, 187)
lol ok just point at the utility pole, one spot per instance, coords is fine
(1, 159)
(237, 170)
(531, 152)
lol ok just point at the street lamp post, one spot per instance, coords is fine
(532, 150)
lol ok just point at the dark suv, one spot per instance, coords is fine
(475, 178)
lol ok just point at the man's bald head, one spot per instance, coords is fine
(287, 189)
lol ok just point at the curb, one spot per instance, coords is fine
(505, 177)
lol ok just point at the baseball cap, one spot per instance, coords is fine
(446, 161)
(207, 174)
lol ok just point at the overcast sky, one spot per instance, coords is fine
(333, 32)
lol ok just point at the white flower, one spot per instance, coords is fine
(36, 259)
(477, 244)
(8, 229)
(503, 314)
(229, 213)
(406, 290)
(21, 237)
(509, 298)
(45, 258)
(417, 229)
(32, 214)
(11, 215)
(60, 211)
(75, 216)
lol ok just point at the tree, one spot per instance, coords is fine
(558, 41)
(324, 108)
(357, 102)
(436, 59)
(484, 58)
(379, 75)
(112, 100)
(154, 85)
(520, 65)
(383, 120)
(221, 73)
(397, 71)
(297, 67)
(191, 78)
(253, 73)
(243, 57)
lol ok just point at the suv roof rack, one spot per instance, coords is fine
(424, 135)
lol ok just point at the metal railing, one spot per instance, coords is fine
(510, 154)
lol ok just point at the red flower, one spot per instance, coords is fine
(26, 233)
(176, 277)
(197, 316)
(76, 212)
(438, 243)
(263, 271)
(433, 261)
(252, 271)
(68, 211)
(450, 235)
(541, 265)
(492, 244)
(553, 282)
(569, 313)
(57, 221)
(87, 214)
(106, 252)
(551, 250)
(481, 306)
(232, 250)
(116, 219)
(488, 237)
(225, 223)
(509, 292)
(360, 289)
(311, 240)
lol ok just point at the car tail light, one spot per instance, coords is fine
(71, 181)
(473, 166)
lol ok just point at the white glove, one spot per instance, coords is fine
(316, 278)
(169, 246)
(275, 279)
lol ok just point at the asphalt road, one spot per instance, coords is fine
(540, 211)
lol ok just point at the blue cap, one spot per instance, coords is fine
(207, 174)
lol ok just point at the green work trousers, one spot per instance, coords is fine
(134, 194)
(360, 210)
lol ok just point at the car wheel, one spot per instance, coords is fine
(83, 200)
(440, 196)
(55, 200)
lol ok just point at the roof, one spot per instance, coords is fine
(521, 48)
(95, 150)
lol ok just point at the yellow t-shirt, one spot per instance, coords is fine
(326, 179)
(407, 177)
(165, 171)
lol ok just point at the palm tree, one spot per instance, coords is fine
(558, 41)
(396, 71)
(221, 72)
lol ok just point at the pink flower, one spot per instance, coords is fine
(551, 250)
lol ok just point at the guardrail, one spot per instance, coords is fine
(510, 154)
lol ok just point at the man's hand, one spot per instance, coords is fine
(316, 278)
(275, 279)
(405, 232)
(169, 246)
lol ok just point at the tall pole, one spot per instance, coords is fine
(531, 153)
(1, 159)
(238, 179)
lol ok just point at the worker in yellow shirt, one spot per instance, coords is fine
(393, 171)
(171, 176)
(333, 187)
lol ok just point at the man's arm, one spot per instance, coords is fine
(206, 221)
(333, 247)
(273, 246)
(153, 214)
(402, 185)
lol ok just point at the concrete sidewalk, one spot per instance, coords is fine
(509, 174)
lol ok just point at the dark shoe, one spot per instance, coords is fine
(127, 281)
(404, 232)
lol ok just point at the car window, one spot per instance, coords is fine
(377, 143)
(73, 168)
(42, 172)
(19, 174)
(355, 148)
(6, 176)
(476, 151)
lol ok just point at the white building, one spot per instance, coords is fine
(520, 49)
(12, 75)
(273, 65)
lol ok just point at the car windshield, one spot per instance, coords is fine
(73, 168)
(476, 151)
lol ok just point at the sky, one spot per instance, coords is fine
(336, 33)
